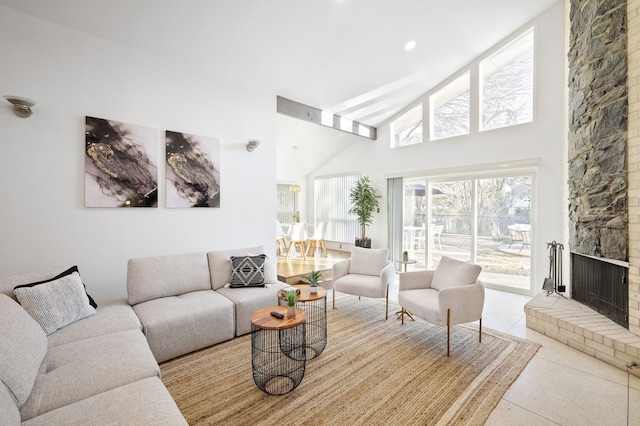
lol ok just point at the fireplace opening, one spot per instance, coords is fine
(602, 285)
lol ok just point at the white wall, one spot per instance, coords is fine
(43, 220)
(544, 139)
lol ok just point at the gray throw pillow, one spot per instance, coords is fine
(247, 271)
(57, 303)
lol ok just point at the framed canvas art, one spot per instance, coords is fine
(121, 164)
(193, 170)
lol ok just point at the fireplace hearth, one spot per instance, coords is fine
(602, 285)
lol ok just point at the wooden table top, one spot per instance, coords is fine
(263, 318)
(305, 294)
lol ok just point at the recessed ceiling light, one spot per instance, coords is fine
(410, 45)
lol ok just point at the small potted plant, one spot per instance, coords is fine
(291, 296)
(313, 279)
(405, 256)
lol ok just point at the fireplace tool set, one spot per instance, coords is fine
(553, 284)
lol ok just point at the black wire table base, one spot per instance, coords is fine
(278, 358)
(316, 325)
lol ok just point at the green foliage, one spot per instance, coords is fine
(313, 278)
(364, 200)
(291, 296)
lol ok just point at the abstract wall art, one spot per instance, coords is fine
(193, 170)
(121, 164)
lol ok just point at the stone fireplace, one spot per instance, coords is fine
(604, 187)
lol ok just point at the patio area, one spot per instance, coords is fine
(504, 262)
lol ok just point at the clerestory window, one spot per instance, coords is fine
(507, 84)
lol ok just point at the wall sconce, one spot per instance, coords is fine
(21, 106)
(295, 188)
(251, 145)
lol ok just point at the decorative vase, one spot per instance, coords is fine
(291, 311)
(313, 289)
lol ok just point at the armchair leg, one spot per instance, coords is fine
(448, 331)
(333, 291)
(386, 314)
(480, 331)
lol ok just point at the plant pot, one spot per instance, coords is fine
(313, 289)
(291, 311)
(405, 257)
(363, 242)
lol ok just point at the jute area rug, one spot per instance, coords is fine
(372, 372)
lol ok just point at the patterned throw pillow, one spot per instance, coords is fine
(247, 271)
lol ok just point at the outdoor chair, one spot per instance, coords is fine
(447, 296)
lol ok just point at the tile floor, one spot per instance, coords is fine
(560, 385)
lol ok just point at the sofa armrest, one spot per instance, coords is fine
(466, 303)
(414, 280)
(340, 269)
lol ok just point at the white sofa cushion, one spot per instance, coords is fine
(452, 273)
(181, 324)
(111, 316)
(249, 300)
(368, 261)
(9, 413)
(22, 349)
(220, 265)
(145, 402)
(79, 370)
(161, 276)
(57, 303)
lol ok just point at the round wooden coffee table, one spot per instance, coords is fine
(278, 350)
(315, 304)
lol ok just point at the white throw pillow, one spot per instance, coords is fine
(56, 304)
(452, 273)
(368, 261)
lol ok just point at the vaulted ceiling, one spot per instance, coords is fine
(344, 56)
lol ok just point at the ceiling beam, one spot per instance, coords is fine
(314, 115)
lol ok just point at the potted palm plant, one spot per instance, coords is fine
(364, 200)
(313, 279)
(291, 296)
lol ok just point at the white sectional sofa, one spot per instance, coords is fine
(184, 304)
(103, 368)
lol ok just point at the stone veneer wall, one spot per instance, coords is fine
(598, 128)
(633, 149)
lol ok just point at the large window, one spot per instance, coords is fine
(507, 84)
(485, 220)
(407, 130)
(331, 204)
(450, 109)
(287, 201)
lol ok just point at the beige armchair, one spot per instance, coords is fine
(449, 295)
(368, 273)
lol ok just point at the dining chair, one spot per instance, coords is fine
(281, 238)
(317, 240)
(297, 237)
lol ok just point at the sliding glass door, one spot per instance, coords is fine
(482, 220)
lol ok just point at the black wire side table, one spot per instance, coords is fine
(278, 350)
(315, 304)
